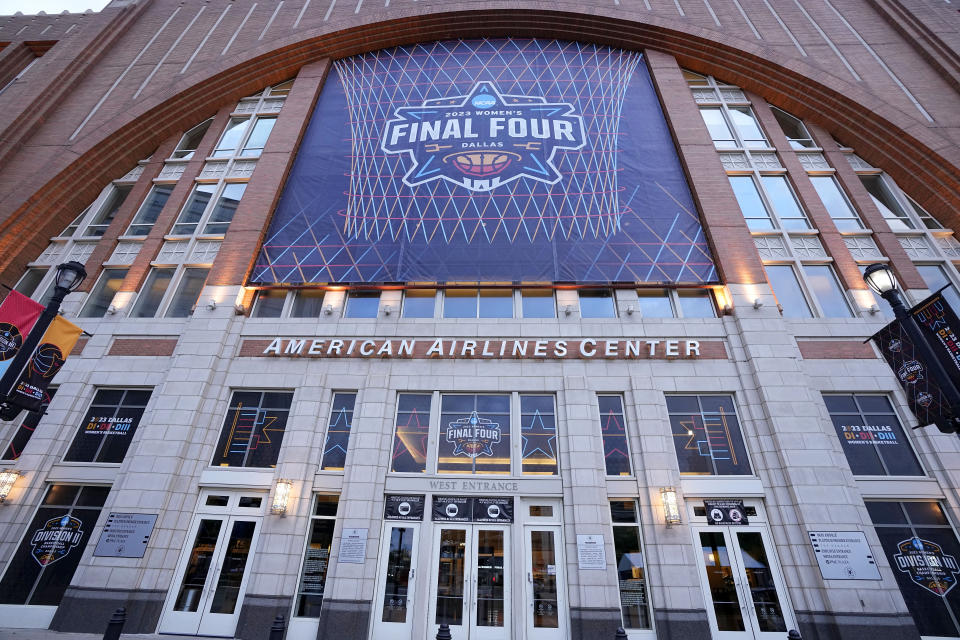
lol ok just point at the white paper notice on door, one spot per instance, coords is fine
(590, 552)
(353, 546)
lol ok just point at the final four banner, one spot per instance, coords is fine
(48, 358)
(18, 314)
(487, 160)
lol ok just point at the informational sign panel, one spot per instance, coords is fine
(403, 508)
(493, 509)
(509, 160)
(353, 546)
(844, 555)
(725, 512)
(591, 554)
(470, 509)
(125, 535)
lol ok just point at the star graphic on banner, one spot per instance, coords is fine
(537, 436)
(411, 438)
(338, 438)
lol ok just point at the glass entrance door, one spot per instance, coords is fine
(471, 577)
(546, 610)
(211, 577)
(742, 585)
(393, 612)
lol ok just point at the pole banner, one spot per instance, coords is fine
(46, 361)
(940, 325)
(18, 314)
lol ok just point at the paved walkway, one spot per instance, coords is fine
(44, 634)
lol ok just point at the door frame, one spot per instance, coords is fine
(560, 632)
(395, 629)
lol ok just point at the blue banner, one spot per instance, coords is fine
(487, 161)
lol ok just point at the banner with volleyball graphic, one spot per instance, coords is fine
(18, 314)
(507, 160)
(47, 360)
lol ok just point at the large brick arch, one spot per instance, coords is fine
(884, 135)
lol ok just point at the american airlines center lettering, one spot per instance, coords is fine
(483, 139)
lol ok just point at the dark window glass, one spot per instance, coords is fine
(363, 304)
(871, 436)
(325, 505)
(108, 426)
(623, 511)
(935, 277)
(185, 299)
(538, 303)
(419, 303)
(102, 294)
(316, 559)
(597, 303)
(793, 128)
(231, 137)
(27, 427)
(654, 303)
(193, 211)
(706, 435)
(258, 137)
(613, 431)
(269, 303)
(785, 286)
(308, 303)
(223, 211)
(150, 210)
(191, 140)
(338, 432)
(751, 204)
(51, 548)
(30, 281)
(887, 203)
(631, 571)
(152, 293)
(410, 437)
(823, 283)
(924, 554)
(836, 203)
(98, 226)
(217, 501)
(474, 434)
(253, 429)
(538, 435)
(397, 580)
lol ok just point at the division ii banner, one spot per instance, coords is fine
(47, 360)
(18, 314)
(508, 160)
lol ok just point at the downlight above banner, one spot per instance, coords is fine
(486, 160)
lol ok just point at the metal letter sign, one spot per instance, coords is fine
(508, 160)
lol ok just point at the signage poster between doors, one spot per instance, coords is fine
(725, 512)
(403, 508)
(469, 509)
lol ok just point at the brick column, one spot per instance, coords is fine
(723, 223)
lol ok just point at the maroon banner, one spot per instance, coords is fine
(18, 314)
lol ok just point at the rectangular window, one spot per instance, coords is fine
(258, 137)
(784, 202)
(706, 436)
(923, 552)
(253, 429)
(150, 210)
(269, 303)
(307, 303)
(316, 558)
(747, 127)
(655, 303)
(537, 303)
(222, 214)
(836, 203)
(363, 304)
(613, 431)
(538, 433)
(27, 427)
(108, 211)
(597, 303)
(185, 299)
(696, 303)
(101, 296)
(935, 277)
(887, 203)
(231, 137)
(152, 292)
(108, 426)
(787, 289)
(338, 432)
(631, 570)
(474, 434)
(717, 126)
(794, 129)
(478, 303)
(823, 283)
(192, 212)
(191, 140)
(751, 204)
(871, 436)
(28, 283)
(50, 550)
(410, 434)
(419, 303)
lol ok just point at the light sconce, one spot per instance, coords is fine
(239, 309)
(567, 310)
(756, 303)
(281, 496)
(212, 304)
(111, 310)
(7, 478)
(630, 310)
(387, 309)
(327, 309)
(671, 510)
(873, 310)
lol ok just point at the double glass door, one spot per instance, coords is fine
(471, 581)
(742, 584)
(211, 576)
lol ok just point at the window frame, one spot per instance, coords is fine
(231, 392)
(172, 290)
(637, 527)
(738, 412)
(673, 298)
(98, 287)
(157, 186)
(306, 545)
(105, 437)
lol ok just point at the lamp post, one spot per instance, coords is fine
(68, 277)
(881, 279)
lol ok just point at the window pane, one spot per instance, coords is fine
(338, 431)
(823, 284)
(597, 303)
(410, 436)
(793, 129)
(747, 127)
(102, 294)
(631, 577)
(150, 210)
(258, 137)
(538, 435)
(193, 211)
(269, 303)
(474, 434)
(788, 291)
(654, 303)
(613, 431)
(363, 304)
(307, 303)
(717, 126)
(894, 214)
(231, 137)
(226, 206)
(152, 292)
(928, 220)
(784, 203)
(419, 303)
(108, 427)
(754, 211)
(253, 429)
(191, 140)
(836, 203)
(708, 441)
(460, 303)
(935, 277)
(495, 303)
(538, 303)
(186, 297)
(27, 284)
(696, 303)
(871, 436)
(315, 563)
(623, 511)
(98, 226)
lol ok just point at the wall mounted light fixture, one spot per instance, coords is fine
(281, 496)
(7, 478)
(671, 510)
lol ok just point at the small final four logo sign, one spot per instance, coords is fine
(473, 436)
(483, 139)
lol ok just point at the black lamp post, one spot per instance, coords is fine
(881, 279)
(68, 278)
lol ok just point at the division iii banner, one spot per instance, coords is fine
(487, 160)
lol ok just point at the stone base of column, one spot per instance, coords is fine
(824, 625)
(257, 614)
(593, 624)
(682, 624)
(344, 619)
(86, 610)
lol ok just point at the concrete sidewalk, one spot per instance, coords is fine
(44, 634)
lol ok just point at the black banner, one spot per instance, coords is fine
(464, 509)
(939, 324)
(403, 508)
(493, 509)
(725, 512)
(450, 509)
